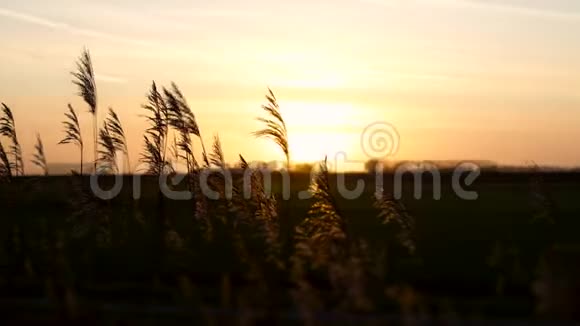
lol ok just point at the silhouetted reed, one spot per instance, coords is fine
(111, 140)
(8, 129)
(84, 78)
(332, 265)
(156, 134)
(258, 210)
(325, 228)
(5, 165)
(182, 120)
(393, 211)
(275, 128)
(117, 135)
(108, 151)
(72, 130)
(39, 159)
(216, 157)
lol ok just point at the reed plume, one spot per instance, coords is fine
(182, 119)
(8, 129)
(275, 128)
(174, 149)
(117, 134)
(324, 244)
(5, 165)
(39, 159)
(84, 79)
(152, 157)
(324, 231)
(178, 121)
(393, 211)
(258, 209)
(216, 157)
(221, 182)
(156, 135)
(112, 140)
(72, 130)
(108, 151)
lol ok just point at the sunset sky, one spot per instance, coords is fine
(459, 79)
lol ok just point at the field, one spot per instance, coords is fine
(512, 254)
(233, 252)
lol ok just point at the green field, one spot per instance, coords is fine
(473, 260)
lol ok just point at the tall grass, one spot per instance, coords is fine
(8, 129)
(217, 157)
(275, 127)
(393, 211)
(5, 165)
(260, 211)
(84, 79)
(108, 151)
(325, 227)
(330, 266)
(326, 245)
(155, 137)
(112, 140)
(72, 130)
(182, 120)
(39, 158)
(245, 231)
(117, 135)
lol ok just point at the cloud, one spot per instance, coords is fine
(227, 13)
(516, 8)
(383, 3)
(31, 19)
(504, 6)
(35, 20)
(110, 79)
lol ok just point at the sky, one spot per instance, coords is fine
(457, 79)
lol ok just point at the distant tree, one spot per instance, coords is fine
(303, 167)
(371, 165)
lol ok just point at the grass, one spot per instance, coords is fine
(261, 255)
(454, 242)
(72, 130)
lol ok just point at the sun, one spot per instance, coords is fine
(319, 129)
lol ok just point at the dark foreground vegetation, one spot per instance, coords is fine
(511, 255)
(253, 257)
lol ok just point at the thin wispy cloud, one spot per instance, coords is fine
(506, 7)
(430, 76)
(226, 13)
(517, 8)
(30, 19)
(62, 26)
(110, 79)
